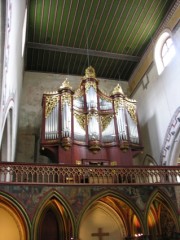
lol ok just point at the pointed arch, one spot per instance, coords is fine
(54, 207)
(109, 205)
(170, 152)
(161, 217)
(149, 161)
(7, 145)
(13, 216)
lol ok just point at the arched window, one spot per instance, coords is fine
(164, 51)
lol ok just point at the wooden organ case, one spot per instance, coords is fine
(88, 126)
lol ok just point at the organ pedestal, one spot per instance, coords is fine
(89, 124)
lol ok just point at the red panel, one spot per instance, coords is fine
(115, 154)
(65, 156)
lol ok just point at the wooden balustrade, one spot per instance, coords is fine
(57, 174)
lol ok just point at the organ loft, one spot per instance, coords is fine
(88, 126)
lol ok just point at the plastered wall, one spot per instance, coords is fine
(158, 98)
(11, 72)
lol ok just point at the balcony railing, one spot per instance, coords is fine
(57, 174)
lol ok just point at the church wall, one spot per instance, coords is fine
(34, 85)
(13, 63)
(78, 200)
(158, 98)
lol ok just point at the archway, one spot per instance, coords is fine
(162, 221)
(13, 223)
(6, 144)
(171, 147)
(109, 217)
(53, 219)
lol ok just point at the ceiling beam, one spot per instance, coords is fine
(94, 53)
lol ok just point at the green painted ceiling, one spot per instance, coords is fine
(66, 36)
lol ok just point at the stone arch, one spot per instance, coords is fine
(15, 223)
(161, 215)
(6, 153)
(149, 161)
(171, 147)
(54, 207)
(113, 212)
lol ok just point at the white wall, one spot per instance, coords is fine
(158, 98)
(12, 68)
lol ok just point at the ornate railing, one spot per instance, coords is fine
(56, 174)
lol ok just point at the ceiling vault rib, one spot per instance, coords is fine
(50, 47)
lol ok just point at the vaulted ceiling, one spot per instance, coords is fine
(66, 36)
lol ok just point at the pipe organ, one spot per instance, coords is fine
(87, 126)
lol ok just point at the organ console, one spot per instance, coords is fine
(89, 124)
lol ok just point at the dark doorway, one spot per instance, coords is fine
(49, 229)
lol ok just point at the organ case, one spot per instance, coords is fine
(88, 126)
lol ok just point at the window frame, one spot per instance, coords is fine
(161, 60)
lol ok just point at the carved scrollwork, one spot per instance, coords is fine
(90, 115)
(81, 119)
(90, 84)
(105, 120)
(90, 72)
(65, 98)
(129, 105)
(117, 90)
(132, 111)
(66, 84)
(78, 93)
(118, 102)
(51, 102)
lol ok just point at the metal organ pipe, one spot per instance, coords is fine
(66, 120)
(121, 123)
(91, 97)
(98, 120)
(51, 124)
(133, 130)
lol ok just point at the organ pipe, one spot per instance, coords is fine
(90, 117)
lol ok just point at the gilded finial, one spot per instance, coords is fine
(66, 84)
(117, 90)
(90, 72)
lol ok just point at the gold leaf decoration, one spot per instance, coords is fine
(132, 111)
(65, 98)
(117, 90)
(81, 119)
(89, 84)
(51, 102)
(90, 115)
(118, 102)
(65, 84)
(78, 93)
(90, 72)
(105, 121)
